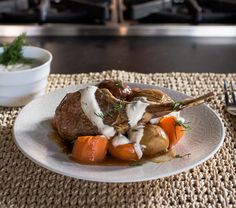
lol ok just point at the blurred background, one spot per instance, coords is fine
(133, 35)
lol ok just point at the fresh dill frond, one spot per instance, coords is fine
(99, 114)
(110, 114)
(117, 106)
(135, 164)
(185, 125)
(177, 105)
(134, 130)
(12, 53)
(119, 84)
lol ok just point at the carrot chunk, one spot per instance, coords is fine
(173, 129)
(123, 152)
(88, 149)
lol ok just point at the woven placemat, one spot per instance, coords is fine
(212, 184)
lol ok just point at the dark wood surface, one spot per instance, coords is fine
(140, 54)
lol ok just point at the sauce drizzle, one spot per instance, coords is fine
(93, 112)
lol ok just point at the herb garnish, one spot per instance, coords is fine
(177, 105)
(135, 164)
(134, 129)
(110, 114)
(117, 106)
(181, 156)
(185, 125)
(119, 84)
(138, 128)
(12, 53)
(99, 114)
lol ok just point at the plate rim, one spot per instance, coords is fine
(94, 179)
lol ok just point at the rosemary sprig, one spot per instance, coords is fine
(182, 156)
(99, 114)
(12, 53)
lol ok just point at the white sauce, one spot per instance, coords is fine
(136, 134)
(135, 111)
(134, 138)
(138, 150)
(127, 90)
(15, 67)
(175, 114)
(120, 140)
(155, 120)
(91, 108)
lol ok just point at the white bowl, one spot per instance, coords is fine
(17, 88)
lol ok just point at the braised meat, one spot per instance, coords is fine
(71, 121)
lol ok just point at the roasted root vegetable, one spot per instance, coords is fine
(89, 149)
(124, 152)
(173, 128)
(155, 140)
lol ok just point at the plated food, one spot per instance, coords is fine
(33, 137)
(113, 120)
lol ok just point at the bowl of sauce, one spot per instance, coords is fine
(22, 82)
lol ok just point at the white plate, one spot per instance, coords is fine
(32, 127)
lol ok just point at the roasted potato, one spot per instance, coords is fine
(155, 140)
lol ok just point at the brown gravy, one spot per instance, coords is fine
(65, 147)
(109, 160)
